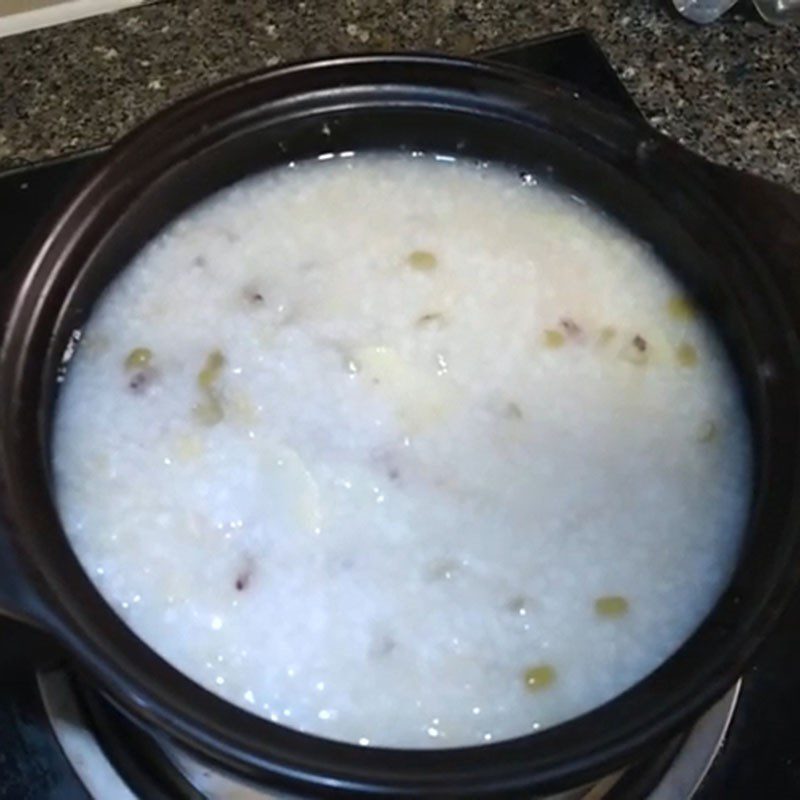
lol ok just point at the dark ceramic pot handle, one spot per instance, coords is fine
(19, 598)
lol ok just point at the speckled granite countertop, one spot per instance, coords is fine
(730, 91)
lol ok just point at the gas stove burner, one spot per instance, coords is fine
(114, 758)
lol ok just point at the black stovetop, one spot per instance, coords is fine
(761, 758)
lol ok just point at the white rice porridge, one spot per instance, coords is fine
(403, 453)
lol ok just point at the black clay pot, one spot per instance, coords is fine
(428, 104)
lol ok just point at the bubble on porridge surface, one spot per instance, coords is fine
(400, 439)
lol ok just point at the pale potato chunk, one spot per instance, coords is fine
(419, 396)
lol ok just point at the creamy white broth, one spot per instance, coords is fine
(403, 453)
